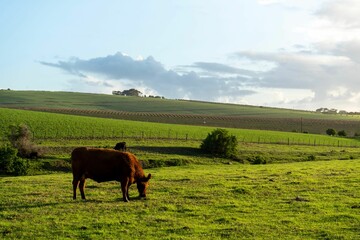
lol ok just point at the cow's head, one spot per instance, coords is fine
(142, 184)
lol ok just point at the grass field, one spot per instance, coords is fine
(58, 126)
(313, 200)
(308, 191)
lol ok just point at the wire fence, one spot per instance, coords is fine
(181, 136)
(174, 136)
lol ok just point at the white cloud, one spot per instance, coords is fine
(344, 13)
(338, 92)
(334, 21)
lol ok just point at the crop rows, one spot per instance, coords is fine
(61, 126)
(316, 126)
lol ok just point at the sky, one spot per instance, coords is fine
(297, 54)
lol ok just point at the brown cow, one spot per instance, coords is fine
(104, 165)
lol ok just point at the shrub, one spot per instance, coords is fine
(20, 138)
(20, 166)
(7, 157)
(10, 163)
(331, 132)
(342, 133)
(220, 142)
(257, 160)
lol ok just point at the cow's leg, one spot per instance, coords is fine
(75, 183)
(81, 186)
(124, 189)
(128, 186)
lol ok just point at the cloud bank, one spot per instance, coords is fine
(151, 77)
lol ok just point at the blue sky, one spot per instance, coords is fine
(300, 54)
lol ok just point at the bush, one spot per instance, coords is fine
(220, 142)
(20, 138)
(331, 132)
(11, 164)
(7, 157)
(20, 166)
(342, 133)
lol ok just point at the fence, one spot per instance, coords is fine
(172, 135)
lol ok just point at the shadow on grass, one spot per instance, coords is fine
(186, 151)
(4, 207)
(28, 206)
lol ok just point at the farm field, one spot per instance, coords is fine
(179, 111)
(60, 126)
(308, 200)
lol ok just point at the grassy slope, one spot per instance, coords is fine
(290, 201)
(136, 104)
(50, 125)
(179, 112)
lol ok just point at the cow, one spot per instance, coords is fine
(121, 146)
(104, 165)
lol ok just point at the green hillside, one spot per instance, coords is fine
(179, 112)
(36, 99)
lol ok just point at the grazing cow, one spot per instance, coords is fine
(121, 146)
(104, 165)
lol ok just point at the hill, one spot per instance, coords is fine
(179, 111)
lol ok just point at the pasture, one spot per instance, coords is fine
(309, 188)
(308, 200)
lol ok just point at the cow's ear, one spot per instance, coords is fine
(148, 177)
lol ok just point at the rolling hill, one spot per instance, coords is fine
(178, 111)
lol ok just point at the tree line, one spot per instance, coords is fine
(134, 93)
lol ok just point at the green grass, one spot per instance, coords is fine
(162, 153)
(312, 200)
(60, 126)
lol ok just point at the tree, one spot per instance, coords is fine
(130, 92)
(331, 132)
(220, 142)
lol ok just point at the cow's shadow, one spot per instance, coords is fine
(25, 206)
(186, 151)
